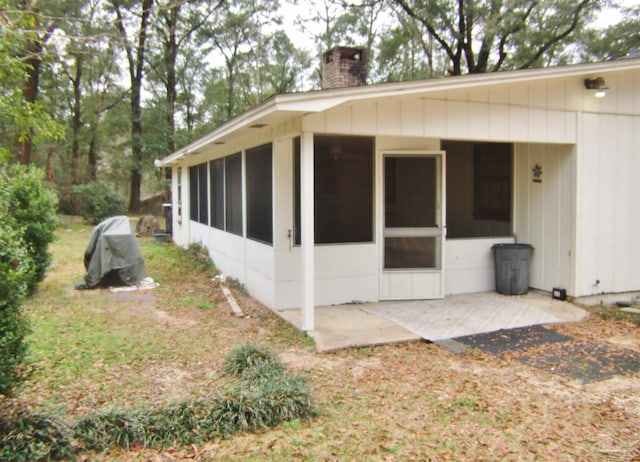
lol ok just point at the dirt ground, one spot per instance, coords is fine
(422, 402)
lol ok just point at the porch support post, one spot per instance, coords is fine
(307, 231)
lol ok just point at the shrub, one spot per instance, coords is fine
(27, 227)
(16, 269)
(26, 436)
(32, 208)
(96, 202)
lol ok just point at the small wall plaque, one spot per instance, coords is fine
(537, 173)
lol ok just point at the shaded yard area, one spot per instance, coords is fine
(417, 401)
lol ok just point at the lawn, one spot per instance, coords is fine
(92, 350)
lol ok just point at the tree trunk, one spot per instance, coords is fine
(170, 56)
(30, 93)
(76, 124)
(136, 65)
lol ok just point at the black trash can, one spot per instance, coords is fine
(168, 218)
(512, 263)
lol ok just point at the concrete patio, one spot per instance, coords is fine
(369, 324)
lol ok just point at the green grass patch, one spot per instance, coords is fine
(615, 312)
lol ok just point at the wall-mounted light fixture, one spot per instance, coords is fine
(598, 85)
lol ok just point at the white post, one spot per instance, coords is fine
(307, 231)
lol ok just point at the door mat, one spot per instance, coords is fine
(518, 339)
(583, 361)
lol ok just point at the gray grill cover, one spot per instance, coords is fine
(112, 251)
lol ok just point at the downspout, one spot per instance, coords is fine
(307, 221)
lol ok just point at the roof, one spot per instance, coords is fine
(281, 107)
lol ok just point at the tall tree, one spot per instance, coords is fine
(488, 35)
(132, 17)
(234, 32)
(175, 27)
(619, 40)
(23, 38)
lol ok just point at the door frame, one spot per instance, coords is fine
(430, 280)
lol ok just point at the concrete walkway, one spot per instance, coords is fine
(343, 326)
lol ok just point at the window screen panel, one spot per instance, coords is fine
(343, 189)
(203, 202)
(193, 193)
(260, 193)
(216, 174)
(233, 193)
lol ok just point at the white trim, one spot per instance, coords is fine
(438, 231)
(307, 237)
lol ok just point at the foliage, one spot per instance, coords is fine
(263, 395)
(33, 208)
(96, 202)
(20, 116)
(27, 227)
(26, 436)
(255, 402)
(16, 268)
(198, 257)
(249, 358)
(485, 36)
(620, 40)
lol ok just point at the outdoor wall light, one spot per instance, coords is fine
(598, 85)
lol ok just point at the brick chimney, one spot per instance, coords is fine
(344, 67)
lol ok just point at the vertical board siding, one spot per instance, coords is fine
(624, 206)
(448, 118)
(608, 215)
(544, 212)
(412, 117)
(435, 120)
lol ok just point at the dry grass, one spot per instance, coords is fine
(401, 402)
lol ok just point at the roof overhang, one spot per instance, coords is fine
(282, 107)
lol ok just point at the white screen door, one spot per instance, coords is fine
(413, 229)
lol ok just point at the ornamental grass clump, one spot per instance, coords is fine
(26, 436)
(252, 360)
(263, 395)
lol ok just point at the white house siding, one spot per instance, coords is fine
(608, 217)
(526, 114)
(580, 219)
(518, 114)
(470, 265)
(545, 210)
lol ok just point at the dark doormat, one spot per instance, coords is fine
(583, 361)
(518, 339)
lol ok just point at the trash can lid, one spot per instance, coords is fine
(512, 246)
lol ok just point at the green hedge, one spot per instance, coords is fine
(28, 212)
(32, 210)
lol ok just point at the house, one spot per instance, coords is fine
(399, 190)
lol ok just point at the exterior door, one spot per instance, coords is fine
(413, 228)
